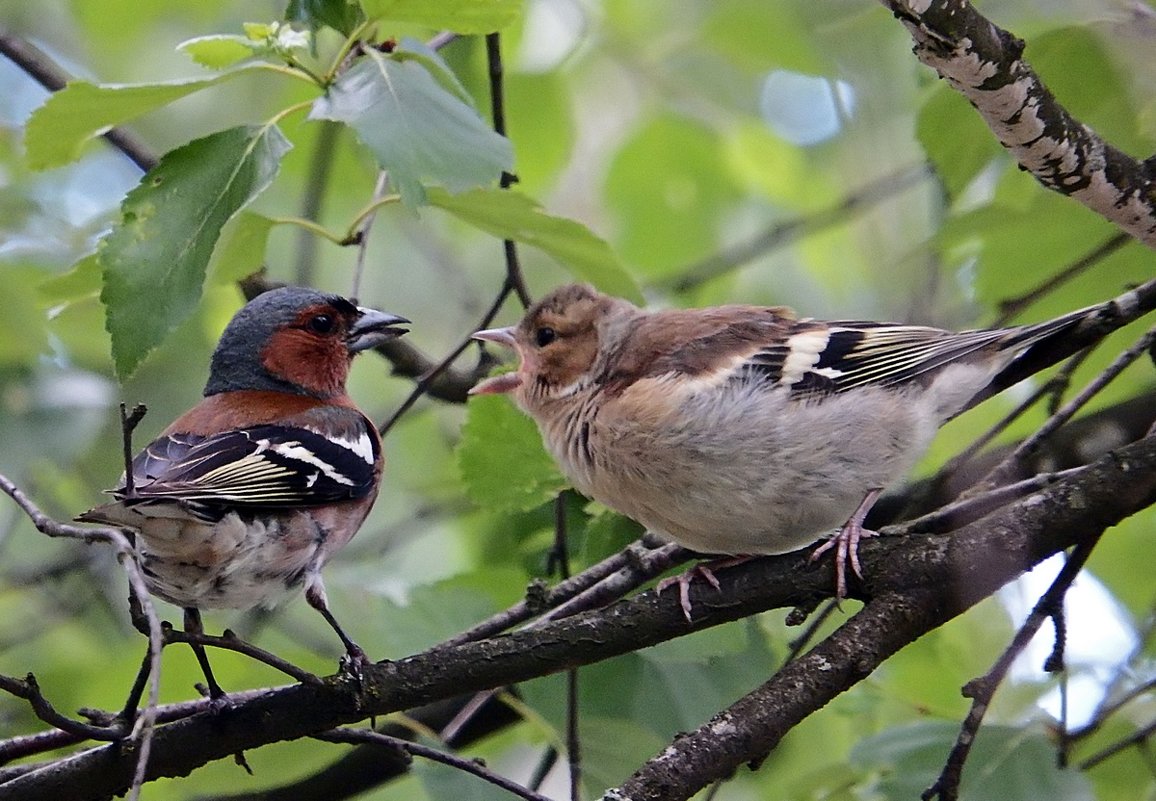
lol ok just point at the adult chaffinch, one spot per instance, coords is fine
(246, 496)
(742, 430)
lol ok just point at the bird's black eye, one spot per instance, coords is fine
(544, 336)
(322, 323)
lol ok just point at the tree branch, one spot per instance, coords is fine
(983, 63)
(913, 584)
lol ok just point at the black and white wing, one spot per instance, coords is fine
(260, 467)
(828, 358)
(817, 358)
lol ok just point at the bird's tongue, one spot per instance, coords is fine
(506, 382)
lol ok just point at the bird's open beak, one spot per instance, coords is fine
(506, 382)
(373, 327)
(502, 336)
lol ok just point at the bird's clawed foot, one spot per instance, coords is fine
(353, 664)
(846, 544)
(219, 700)
(704, 570)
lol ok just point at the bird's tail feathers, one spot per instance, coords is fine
(1041, 345)
(1095, 320)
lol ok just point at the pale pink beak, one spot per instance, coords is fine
(506, 382)
(502, 336)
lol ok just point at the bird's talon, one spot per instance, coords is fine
(703, 569)
(353, 664)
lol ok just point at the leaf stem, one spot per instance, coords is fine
(368, 212)
(342, 52)
(310, 226)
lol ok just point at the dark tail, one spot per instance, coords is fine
(1053, 341)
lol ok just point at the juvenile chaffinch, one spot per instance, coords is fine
(742, 430)
(246, 496)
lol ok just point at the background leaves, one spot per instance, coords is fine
(648, 137)
(154, 261)
(414, 126)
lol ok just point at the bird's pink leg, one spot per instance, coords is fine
(704, 570)
(846, 543)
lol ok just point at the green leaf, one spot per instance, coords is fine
(955, 138)
(1006, 763)
(502, 460)
(57, 130)
(241, 249)
(460, 16)
(23, 325)
(83, 280)
(341, 15)
(414, 127)
(413, 50)
(1079, 67)
(669, 192)
(276, 39)
(606, 533)
(740, 30)
(220, 51)
(511, 215)
(154, 260)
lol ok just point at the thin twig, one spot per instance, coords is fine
(647, 566)
(784, 232)
(817, 620)
(424, 382)
(1009, 309)
(28, 689)
(36, 63)
(231, 642)
(146, 723)
(514, 279)
(1137, 738)
(972, 507)
(128, 423)
(637, 569)
(560, 558)
(1110, 709)
(564, 591)
(471, 766)
(1054, 387)
(981, 690)
(1005, 469)
(362, 237)
(542, 769)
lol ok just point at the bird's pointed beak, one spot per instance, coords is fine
(502, 336)
(506, 382)
(373, 327)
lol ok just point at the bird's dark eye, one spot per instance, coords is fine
(544, 336)
(321, 323)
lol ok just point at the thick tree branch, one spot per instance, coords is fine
(912, 583)
(983, 63)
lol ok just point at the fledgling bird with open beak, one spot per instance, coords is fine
(246, 496)
(742, 430)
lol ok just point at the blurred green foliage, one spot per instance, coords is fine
(642, 144)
